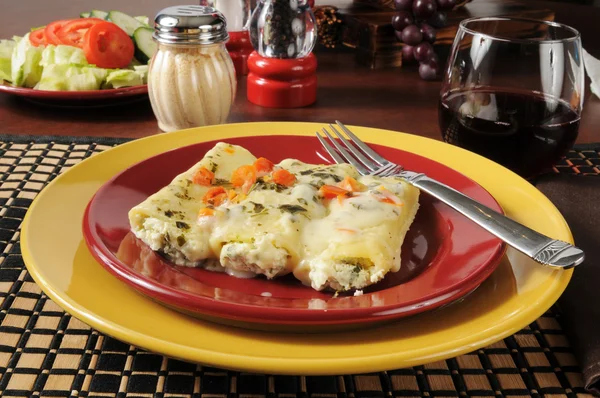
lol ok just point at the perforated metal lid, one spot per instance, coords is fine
(190, 25)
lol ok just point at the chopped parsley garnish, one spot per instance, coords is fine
(182, 225)
(183, 195)
(292, 208)
(260, 184)
(335, 177)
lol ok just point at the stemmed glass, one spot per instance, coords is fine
(513, 91)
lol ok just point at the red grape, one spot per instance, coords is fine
(403, 5)
(408, 55)
(401, 20)
(434, 61)
(423, 52)
(428, 33)
(446, 4)
(424, 8)
(412, 35)
(438, 20)
(428, 71)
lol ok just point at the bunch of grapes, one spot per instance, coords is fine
(415, 22)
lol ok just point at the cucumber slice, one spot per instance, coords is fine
(99, 14)
(145, 46)
(85, 15)
(128, 23)
(144, 20)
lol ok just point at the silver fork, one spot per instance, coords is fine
(547, 251)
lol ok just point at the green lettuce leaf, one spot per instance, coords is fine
(6, 50)
(123, 78)
(143, 71)
(72, 77)
(26, 70)
(63, 55)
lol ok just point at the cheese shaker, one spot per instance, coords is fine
(191, 78)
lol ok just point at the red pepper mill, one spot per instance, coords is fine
(282, 68)
(237, 13)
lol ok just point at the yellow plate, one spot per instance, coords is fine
(516, 294)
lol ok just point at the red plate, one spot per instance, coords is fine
(77, 98)
(444, 257)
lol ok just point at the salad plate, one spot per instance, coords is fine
(81, 98)
(514, 295)
(98, 58)
(445, 256)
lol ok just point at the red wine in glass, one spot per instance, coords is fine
(512, 91)
(526, 132)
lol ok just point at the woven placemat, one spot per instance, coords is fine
(46, 352)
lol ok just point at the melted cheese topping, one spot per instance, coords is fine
(274, 230)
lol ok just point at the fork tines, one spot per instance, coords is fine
(355, 152)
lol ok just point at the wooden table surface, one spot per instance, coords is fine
(393, 99)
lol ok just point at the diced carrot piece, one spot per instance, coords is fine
(203, 177)
(350, 184)
(351, 231)
(388, 196)
(284, 177)
(331, 191)
(206, 212)
(215, 196)
(263, 166)
(229, 150)
(231, 194)
(244, 177)
(385, 200)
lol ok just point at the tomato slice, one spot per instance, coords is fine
(108, 46)
(71, 34)
(37, 37)
(51, 29)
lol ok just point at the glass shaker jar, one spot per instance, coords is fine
(191, 78)
(283, 29)
(237, 12)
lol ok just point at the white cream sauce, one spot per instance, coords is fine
(277, 230)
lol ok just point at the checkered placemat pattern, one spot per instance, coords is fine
(46, 352)
(583, 160)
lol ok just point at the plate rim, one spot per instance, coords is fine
(286, 365)
(111, 93)
(337, 316)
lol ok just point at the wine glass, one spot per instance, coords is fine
(513, 91)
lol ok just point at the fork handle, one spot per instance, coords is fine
(551, 252)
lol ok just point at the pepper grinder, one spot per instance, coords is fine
(282, 68)
(237, 13)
